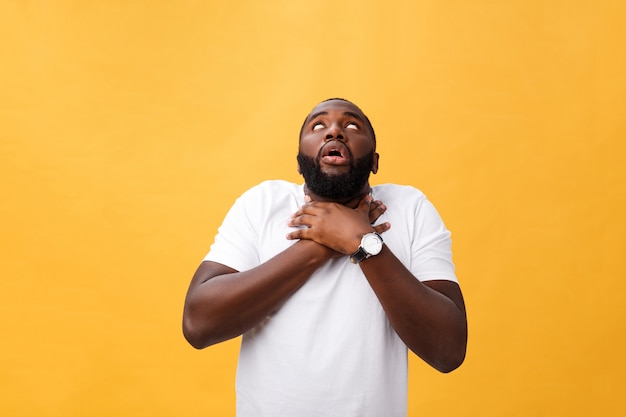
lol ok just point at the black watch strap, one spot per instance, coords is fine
(358, 256)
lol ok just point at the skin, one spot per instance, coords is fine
(429, 317)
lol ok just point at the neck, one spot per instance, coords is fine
(351, 202)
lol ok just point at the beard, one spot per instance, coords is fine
(336, 186)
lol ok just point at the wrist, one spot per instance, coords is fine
(316, 252)
(371, 245)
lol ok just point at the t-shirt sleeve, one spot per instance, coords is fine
(432, 248)
(235, 242)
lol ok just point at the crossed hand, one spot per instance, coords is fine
(336, 226)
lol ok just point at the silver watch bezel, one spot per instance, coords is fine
(363, 253)
(372, 244)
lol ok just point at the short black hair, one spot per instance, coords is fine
(367, 120)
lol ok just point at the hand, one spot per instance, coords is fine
(377, 208)
(336, 226)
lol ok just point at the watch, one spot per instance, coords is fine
(371, 245)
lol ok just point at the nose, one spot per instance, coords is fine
(334, 132)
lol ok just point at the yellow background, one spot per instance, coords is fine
(127, 129)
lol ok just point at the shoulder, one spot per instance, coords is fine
(273, 188)
(271, 194)
(405, 199)
(397, 192)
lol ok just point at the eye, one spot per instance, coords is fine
(352, 126)
(317, 126)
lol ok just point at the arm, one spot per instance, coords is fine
(429, 317)
(223, 303)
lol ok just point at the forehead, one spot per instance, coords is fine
(332, 106)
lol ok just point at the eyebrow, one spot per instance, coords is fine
(315, 115)
(355, 115)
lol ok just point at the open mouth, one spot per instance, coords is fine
(335, 153)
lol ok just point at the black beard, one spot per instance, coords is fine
(337, 186)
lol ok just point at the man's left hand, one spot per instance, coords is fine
(337, 226)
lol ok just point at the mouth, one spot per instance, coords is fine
(335, 153)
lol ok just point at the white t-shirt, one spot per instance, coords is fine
(329, 350)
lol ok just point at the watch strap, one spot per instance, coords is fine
(358, 256)
(361, 253)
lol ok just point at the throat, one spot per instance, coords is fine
(351, 202)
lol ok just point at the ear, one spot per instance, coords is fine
(375, 163)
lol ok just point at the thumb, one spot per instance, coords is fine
(382, 228)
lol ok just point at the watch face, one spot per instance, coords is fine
(372, 244)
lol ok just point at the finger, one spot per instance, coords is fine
(301, 220)
(377, 208)
(298, 234)
(292, 235)
(382, 228)
(305, 209)
(364, 204)
(377, 205)
(377, 211)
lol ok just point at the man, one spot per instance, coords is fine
(329, 282)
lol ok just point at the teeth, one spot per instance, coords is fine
(334, 149)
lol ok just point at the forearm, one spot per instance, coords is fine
(221, 307)
(429, 317)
